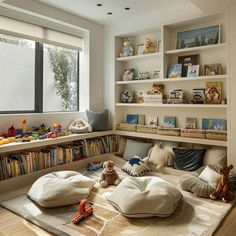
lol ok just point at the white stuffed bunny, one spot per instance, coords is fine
(158, 157)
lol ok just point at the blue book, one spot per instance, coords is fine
(132, 119)
(174, 71)
(170, 121)
(214, 124)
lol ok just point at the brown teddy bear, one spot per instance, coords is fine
(222, 191)
(149, 46)
(109, 175)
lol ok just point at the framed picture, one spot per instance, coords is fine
(152, 120)
(174, 71)
(170, 121)
(132, 119)
(176, 94)
(156, 74)
(198, 37)
(213, 69)
(186, 61)
(191, 123)
(193, 71)
(139, 48)
(213, 93)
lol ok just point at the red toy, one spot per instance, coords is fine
(83, 211)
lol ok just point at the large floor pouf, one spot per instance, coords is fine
(60, 188)
(190, 182)
(139, 197)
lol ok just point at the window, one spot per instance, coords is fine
(17, 66)
(60, 79)
(37, 77)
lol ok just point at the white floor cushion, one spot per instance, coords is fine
(139, 197)
(60, 189)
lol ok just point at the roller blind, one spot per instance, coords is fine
(40, 34)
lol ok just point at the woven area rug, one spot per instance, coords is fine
(194, 216)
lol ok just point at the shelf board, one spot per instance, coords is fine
(167, 80)
(143, 56)
(12, 147)
(199, 48)
(172, 138)
(216, 106)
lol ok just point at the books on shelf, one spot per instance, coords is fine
(16, 164)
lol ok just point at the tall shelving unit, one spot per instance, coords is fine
(168, 54)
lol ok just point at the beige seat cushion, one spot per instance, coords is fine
(139, 197)
(60, 189)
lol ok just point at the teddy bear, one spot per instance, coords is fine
(127, 49)
(158, 157)
(149, 46)
(109, 175)
(222, 190)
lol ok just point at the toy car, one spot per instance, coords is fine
(83, 211)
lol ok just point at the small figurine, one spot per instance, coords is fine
(23, 125)
(83, 211)
(126, 96)
(11, 131)
(19, 131)
(149, 46)
(109, 175)
(127, 49)
(42, 129)
(56, 126)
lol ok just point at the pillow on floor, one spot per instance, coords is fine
(210, 176)
(135, 148)
(60, 189)
(188, 159)
(135, 167)
(98, 120)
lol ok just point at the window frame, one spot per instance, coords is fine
(38, 85)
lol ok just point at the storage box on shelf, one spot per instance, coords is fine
(193, 133)
(147, 129)
(216, 135)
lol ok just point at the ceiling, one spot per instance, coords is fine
(90, 10)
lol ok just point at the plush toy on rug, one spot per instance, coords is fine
(222, 190)
(158, 157)
(109, 175)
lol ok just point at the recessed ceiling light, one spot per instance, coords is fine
(109, 13)
(127, 8)
(99, 4)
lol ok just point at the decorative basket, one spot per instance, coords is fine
(216, 135)
(147, 129)
(168, 131)
(193, 133)
(126, 127)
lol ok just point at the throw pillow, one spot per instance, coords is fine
(210, 176)
(215, 156)
(188, 159)
(135, 167)
(135, 148)
(159, 157)
(98, 120)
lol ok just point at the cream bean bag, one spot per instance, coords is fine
(139, 197)
(60, 189)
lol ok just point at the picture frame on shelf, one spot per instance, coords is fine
(212, 69)
(139, 48)
(193, 71)
(186, 61)
(170, 121)
(198, 96)
(191, 123)
(132, 119)
(174, 71)
(213, 92)
(207, 35)
(214, 124)
(152, 121)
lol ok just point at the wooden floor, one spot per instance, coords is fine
(13, 225)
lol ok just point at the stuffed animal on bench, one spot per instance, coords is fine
(109, 175)
(222, 191)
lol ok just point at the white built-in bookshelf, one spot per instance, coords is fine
(168, 54)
